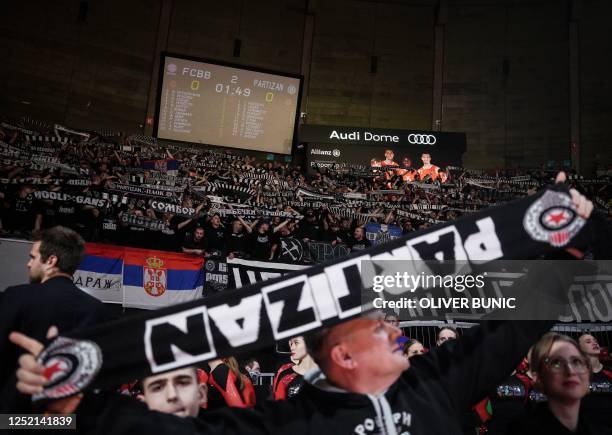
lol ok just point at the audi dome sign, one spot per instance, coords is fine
(327, 146)
(378, 136)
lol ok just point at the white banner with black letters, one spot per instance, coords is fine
(245, 272)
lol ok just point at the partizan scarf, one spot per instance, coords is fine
(236, 322)
(342, 212)
(31, 180)
(417, 216)
(139, 190)
(144, 222)
(253, 213)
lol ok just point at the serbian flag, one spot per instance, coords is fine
(166, 165)
(155, 279)
(99, 274)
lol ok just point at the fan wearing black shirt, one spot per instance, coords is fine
(236, 240)
(66, 214)
(359, 242)
(407, 227)
(285, 230)
(310, 228)
(345, 229)
(332, 232)
(183, 227)
(21, 212)
(167, 238)
(215, 235)
(196, 244)
(263, 245)
(597, 404)
(130, 234)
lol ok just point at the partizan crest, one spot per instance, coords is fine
(70, 365)
(552, 219)
(155, 277)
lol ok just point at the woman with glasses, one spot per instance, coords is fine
(562, 373)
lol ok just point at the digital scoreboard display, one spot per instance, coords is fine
(230, 106)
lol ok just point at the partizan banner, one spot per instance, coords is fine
(236, 322)
(246, 272)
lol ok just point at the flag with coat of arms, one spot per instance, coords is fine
(155, 279)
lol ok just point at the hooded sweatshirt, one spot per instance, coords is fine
(428, 398)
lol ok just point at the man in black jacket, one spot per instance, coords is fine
(50, 299)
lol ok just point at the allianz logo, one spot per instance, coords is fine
(319, 152)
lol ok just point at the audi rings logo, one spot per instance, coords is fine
(421, 139)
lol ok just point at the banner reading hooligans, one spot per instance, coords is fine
(236, 322)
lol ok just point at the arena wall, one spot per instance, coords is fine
(505, 70)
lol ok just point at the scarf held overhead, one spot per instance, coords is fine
(237, 322)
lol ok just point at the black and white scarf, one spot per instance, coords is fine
(37, 181)
(166, 207)
(347, 213)
(417, 216)
(143, 222)
(44, 195)
(253, 213)
(46, 139)
(214, 186)
(139, 190)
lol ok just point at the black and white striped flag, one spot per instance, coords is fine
(46, 139)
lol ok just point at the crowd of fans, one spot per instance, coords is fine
(558, 370)
(129, 190)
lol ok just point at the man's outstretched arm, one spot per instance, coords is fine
(107, 413)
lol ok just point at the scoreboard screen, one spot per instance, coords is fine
(230, 106)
